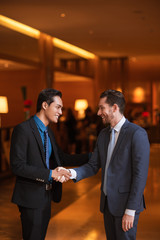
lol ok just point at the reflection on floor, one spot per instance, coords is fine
(77, 217)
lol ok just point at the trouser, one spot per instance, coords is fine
(113, 226)
(35, 221)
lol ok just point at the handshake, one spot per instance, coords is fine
(61, 174)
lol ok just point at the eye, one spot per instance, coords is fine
(58, 107)
(101, 108)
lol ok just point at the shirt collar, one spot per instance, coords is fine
(39, 123)
(120, 124)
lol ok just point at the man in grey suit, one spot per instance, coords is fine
(122, 151)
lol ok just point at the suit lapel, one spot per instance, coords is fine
(106, 142)
(38, 138)
(120, 138)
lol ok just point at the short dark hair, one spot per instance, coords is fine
(47, 95)
(114, 97)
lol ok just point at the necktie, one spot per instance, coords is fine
(46, 141)
(109, 155)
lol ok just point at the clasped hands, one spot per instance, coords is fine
(61, 174)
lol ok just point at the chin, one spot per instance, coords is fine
(55, 120)
(104, 121)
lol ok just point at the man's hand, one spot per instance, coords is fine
(63, 179)
(127, 222)
(62, 175)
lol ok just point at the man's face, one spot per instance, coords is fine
(54, 110)
(105, 111)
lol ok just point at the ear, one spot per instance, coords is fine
(115, 107)
(44, 105)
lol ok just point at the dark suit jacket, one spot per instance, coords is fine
(27, 160)
(127, 171)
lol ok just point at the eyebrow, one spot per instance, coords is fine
(59, 105)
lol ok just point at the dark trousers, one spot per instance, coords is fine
(113, 226)
(35, 220)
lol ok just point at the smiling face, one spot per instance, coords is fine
(105, 111)
(53, 111)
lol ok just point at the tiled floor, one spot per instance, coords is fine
(77, 217)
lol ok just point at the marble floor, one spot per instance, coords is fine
(77, 217)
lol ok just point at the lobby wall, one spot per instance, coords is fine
(10, 86)
(76, 90)
(12, 81)
(139, 75)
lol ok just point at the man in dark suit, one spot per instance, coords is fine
(34, 157)
(122, 151)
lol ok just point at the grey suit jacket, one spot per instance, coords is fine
(127, 171)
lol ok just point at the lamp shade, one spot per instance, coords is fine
(80, 104)
(3, 104)
(138, 95)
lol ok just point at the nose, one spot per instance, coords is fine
(60, 111)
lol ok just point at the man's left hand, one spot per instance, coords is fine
(127, 222)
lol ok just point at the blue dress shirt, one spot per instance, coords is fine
(41, 128)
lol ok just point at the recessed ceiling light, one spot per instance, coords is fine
(62, 15)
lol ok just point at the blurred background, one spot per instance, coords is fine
(80, 48)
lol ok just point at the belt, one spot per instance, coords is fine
(48, 187)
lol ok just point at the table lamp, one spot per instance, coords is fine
(80, 106)
(3, 106)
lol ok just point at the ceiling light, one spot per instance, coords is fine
(62, 15)
(32, 32)
(19, 27)
(72, 49)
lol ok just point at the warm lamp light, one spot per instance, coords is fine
(80, 106)
(34, 33)
(73, 49)
(3, 106)
(119, 89)
(19, 27)
(138, 95)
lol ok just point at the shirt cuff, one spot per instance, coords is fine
(50, 176)
(130, 212)
(73, 173)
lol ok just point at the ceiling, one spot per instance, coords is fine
(105, 27)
